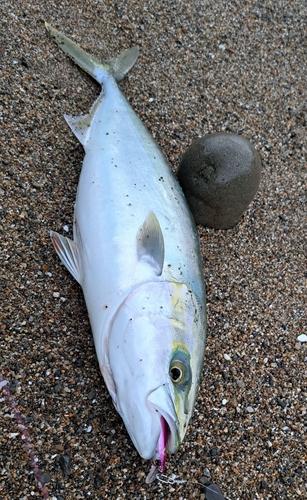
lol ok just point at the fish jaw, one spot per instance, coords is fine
(170, 438)
(154, 429)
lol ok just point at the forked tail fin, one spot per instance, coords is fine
(99, 70)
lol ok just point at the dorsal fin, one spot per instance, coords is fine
(150, 243)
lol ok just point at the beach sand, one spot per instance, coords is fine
(205, 66)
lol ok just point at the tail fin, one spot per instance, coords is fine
(117, 66)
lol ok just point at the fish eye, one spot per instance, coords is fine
(180, 370)
(177, 372)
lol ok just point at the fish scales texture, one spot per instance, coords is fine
(124, 177)
(136, 255)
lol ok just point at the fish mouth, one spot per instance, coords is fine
(169, 439)
(162, 443)
(159, 459)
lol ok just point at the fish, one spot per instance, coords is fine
(136, 254)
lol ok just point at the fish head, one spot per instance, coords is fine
(155, 355)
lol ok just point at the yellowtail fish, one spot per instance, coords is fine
(135, 252)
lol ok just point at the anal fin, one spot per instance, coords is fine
(67, 250)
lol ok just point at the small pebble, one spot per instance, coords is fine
(207, 473)
(232, 403)
(65, 464)
(282, 403)
(79, 363)
(46, 477)
(263, 485)
(302, 338)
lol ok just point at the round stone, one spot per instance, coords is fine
(219, 174)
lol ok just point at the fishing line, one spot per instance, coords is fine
(26, 437)
(155, 473)
(162, 478)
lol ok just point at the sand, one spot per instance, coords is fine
(205, 66)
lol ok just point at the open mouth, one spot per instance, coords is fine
(169, 436)
(162, 443)
(159, 460)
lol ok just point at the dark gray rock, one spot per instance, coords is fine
(46, 477)
(65, 464)
(219, 174)
(213, 492)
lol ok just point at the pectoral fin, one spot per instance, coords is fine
(150, 243)
(67, 250)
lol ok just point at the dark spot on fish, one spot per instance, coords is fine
(106, 307)
(107, 133)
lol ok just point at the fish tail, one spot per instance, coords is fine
(99, 70)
